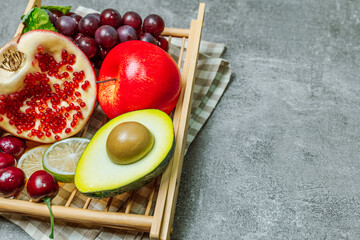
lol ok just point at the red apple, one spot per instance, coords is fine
(145, 77)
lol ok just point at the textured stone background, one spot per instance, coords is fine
(279, 158)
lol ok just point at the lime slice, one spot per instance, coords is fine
(61, 158)
(31, 160)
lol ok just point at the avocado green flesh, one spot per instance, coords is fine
(97, 176)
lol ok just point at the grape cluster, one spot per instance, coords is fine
(96, 34)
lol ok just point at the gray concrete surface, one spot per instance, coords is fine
(279, 157)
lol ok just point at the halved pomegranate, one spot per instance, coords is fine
(47, 87)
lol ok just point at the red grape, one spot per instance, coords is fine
(57, 13)
(103, 52)
(132, 19)
(110, 17)
(88, 46)
(153, 24)
(51, 16)
(66, 25)
(126, 33)
(88, 25)
(79, 35)
(106, 36)
(77, 19)
(163, 43)
(97, 15)
(147, 37)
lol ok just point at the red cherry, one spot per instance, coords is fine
(12, 181)
(12, 145)
(42, 184)
(6, 160)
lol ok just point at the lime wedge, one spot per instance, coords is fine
(61, 158)
(31, 160)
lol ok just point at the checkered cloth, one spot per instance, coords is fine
(212, 77)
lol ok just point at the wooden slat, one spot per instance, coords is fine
(79, 215)
(72, 195)
(181, 52)
(168, 217)
(31, 5)
(87, 203)
(176, 32)
(161, 199)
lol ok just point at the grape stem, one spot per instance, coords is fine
(47, 201)
(107, 80)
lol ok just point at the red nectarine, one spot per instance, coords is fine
(145, 77)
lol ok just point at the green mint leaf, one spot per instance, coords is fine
(37, 19)
(63, 9)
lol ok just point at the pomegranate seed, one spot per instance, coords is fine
(67, 115)
(82, 104)
(1, 118)
(68, 130)
(87, 83)
(48, 134)
(79, 114)
(83, 87)
(57, 138)
(40, 134)
(18, 131)
(81, 73)
(73, 124)
(40, 48)
(77, 108)
(64, 54)
(69, 68)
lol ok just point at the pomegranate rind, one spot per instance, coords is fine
(52, 43)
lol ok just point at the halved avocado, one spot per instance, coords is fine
(98, 176)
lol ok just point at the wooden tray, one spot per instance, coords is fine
(159, 223)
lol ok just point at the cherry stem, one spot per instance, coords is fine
(107, 80)
(47, 201)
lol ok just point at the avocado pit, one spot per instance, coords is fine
(129, 142)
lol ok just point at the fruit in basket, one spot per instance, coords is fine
(147, 37)
(6, 160)
(97, 175)
(163, 43)
(31, 161)
(144, 77)
(110, 17)
(88, 46)
(132, 19)
(106, 36)
(42, 186)
(66, 25)
(126, 33)
(12, 145)
(61, 158)
(48, 87)
(153, 24)
(12, 181)
(88, 25)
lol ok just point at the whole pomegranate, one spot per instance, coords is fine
(48, 87)
(138, 75)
